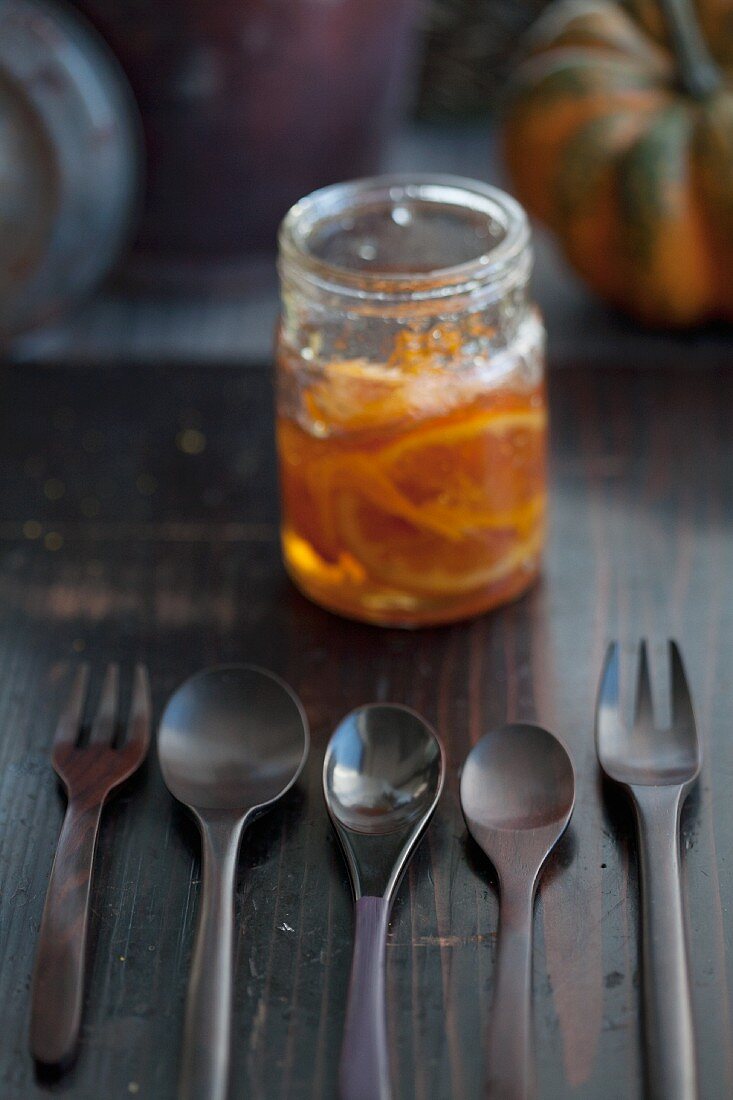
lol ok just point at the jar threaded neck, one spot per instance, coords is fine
(383, 243)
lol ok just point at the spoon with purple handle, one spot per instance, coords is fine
(382, 778)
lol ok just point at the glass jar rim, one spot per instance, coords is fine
(511, 254)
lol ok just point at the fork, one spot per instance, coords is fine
(657, 768)
(89, 773)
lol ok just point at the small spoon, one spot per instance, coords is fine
(517, 795)
(382, 778)
(232, 741)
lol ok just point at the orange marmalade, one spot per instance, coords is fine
(413, 476)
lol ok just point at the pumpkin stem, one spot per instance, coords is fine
(698, 71)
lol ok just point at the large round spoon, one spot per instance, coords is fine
(232, 741)
(517, 795)
(382, 778)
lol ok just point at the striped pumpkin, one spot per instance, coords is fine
(619, 136)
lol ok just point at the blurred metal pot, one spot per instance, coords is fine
(248, 105)
(70, 158)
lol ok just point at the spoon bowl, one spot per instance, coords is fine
(232, 741)
(518, 777)
(231, 738)
(382, 770)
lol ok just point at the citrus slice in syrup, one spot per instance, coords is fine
(482, 473)
(397, 554)
(470, 474)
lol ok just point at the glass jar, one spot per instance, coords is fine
(411, 409)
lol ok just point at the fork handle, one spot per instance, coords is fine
(58, 977)
(671, 1068)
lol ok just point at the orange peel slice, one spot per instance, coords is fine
(461, 431)
(373, 476)
(422, 563)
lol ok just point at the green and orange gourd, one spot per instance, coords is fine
(619, 137)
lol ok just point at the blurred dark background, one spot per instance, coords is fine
(149, 151)
(468, 50)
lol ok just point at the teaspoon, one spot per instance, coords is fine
(517, 795)
(232, 741)
(382, 777)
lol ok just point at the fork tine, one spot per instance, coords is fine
(67, 729)
(139, 722)
(607, 707)
(103, 729)
(682, 711)
(644, 706)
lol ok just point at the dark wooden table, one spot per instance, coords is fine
(138, 521)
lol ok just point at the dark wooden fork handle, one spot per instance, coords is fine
(58, 979)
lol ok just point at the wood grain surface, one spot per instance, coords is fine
(138, 522)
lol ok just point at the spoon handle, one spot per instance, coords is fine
(509, 1051)
(364, 1069)
(666, 976)
(206, 1036)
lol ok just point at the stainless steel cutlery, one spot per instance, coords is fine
(657, 765)
(517, 795)
(234, 739)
